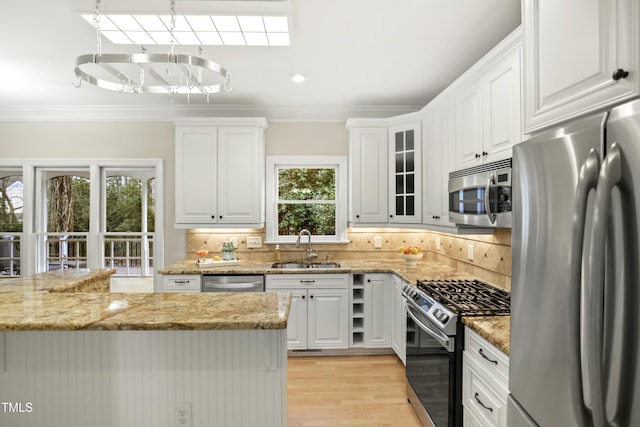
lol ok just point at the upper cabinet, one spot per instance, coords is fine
(368, 177)
(220, 174)
(579, 57)
(488, 112)
(385, 170)
(438, 135)
(405, 167)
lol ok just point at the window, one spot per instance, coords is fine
(307, 193)
(11, 213)
(129, 221)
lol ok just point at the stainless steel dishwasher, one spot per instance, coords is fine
(232, 283)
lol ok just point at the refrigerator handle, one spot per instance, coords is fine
(487, 205)
(610, 175)
(587, 180)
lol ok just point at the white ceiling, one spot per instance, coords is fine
(362, 58)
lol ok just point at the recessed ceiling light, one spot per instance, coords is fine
(298, 78)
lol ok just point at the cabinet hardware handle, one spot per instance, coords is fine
(310, 296)
(181, 282)
(488, 408)
(620, 74)
(484, 153)
(213, 217)
(307, 281)
(369, 280)
(357, 216)
(485, 356)
(390, 216)
(477, 156)
(220, 216)
(303, 297)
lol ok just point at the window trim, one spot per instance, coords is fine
(337, 162)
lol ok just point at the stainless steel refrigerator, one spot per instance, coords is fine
(575, 305)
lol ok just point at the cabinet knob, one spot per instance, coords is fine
(369, 280)
(311, 296)
(619, 74)
(390, 216)
(477, 156)
(213, 217)
(357, 216)
(220, 217)
(484, 153)
(303, 297)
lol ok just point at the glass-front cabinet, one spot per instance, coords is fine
(405, 169)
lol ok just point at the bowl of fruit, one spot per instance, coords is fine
(411, 254)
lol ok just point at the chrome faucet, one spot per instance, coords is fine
(311, 255)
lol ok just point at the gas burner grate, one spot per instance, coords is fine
(468, 297)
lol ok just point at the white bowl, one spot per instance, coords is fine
(411, 259)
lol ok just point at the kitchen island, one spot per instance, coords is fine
(70, 356)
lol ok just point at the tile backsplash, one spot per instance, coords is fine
(491, 253)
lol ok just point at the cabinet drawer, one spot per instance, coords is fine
(181, 283)
(325, 281)
(482, 395)
(487, 355)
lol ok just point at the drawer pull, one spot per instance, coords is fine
(181, 282)
(307, 281)
(485, 356)
(488, 408)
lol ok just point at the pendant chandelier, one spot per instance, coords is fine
(157, 73)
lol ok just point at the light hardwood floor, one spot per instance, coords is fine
(348, 391)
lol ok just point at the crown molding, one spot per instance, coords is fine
(164, 113)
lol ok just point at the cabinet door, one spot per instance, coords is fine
(448, 122)
(377, 310)
(240, 175)
(405, 163)
(571, 50)
(297, 322)
(328, 315)
(399, 322)
(501, 98)
(369, 177)
(196, 179)
(469, 149)
(432, 155)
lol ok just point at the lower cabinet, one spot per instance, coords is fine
(377, 310)
(399, 320)
(485, 371)
(318, 317)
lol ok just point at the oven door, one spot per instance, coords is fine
(430, 369)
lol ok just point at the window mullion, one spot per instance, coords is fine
(94, 237)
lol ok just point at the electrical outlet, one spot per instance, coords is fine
(234, 241)
(470, 251)
(438, 244)
(254, 242)
(183, 415)
(377, 242)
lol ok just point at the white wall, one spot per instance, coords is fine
(155, 140)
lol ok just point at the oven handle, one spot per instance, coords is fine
(441, 337)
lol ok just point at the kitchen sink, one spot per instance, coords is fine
(316, 265)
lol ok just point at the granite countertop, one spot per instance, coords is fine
(422, 270)
(495, 329)
(58, 300)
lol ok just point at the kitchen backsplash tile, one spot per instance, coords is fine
(491, 252)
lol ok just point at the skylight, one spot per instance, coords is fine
(199, 30)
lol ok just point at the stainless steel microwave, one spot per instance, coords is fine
(481, 195)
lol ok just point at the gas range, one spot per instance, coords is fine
(444, 301)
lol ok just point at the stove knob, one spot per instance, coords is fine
(443, 317)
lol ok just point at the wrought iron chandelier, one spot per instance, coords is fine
(157, 73)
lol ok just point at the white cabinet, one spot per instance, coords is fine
(399, 319)
(377, 310)
(438, 134)
(405, 170)
(572, 50)
(181, 283)
(488, 112)
(369, 180)
(485, 376)
(318, 317)
(219, 176)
